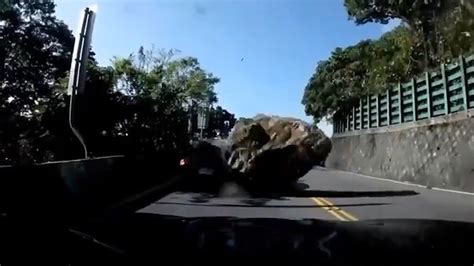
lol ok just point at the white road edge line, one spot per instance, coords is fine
(401, 182)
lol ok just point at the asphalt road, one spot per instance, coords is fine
(332, 195)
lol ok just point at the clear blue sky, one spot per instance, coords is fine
(280, 42)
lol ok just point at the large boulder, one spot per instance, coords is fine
(275, 150)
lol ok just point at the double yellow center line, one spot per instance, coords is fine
(334, 210)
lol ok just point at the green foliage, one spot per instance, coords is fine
(155, 117)
(35, 52)
(431, 32)
(179, 84)
(144, 75)
(457, 31)
(357, 71)
(429, 20)
(187, 73)
(413, 12)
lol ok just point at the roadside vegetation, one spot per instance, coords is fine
(431, 32)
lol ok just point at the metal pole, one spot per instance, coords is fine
(73, 128)
(428, 94)
(445, 88)
(414, 99)
(400, 104)
(465, 96)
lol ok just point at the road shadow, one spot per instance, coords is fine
(261, 204)
(337, 194)
(262, 197)
(300, 186)
(257, 202)
(259, 196)
(201, 198)
(301, 190)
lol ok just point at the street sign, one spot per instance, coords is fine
(77, 73)
(202, 118)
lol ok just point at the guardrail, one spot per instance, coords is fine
(450, 89)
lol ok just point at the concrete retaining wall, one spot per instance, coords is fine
(437, 152)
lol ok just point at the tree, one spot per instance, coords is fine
(431, 32)
(35, 52)
(140, 75)
(421, 16)
(369, 67)
(338, 81)
(457, 30)
(166, 91)
(198, 85)
(394, 58)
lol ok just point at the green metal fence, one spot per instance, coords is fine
(448, 90)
